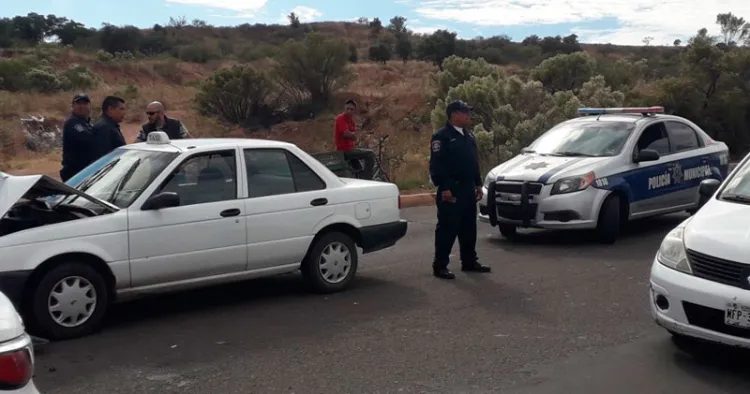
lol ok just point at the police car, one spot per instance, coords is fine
(601, 169)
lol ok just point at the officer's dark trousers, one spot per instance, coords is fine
(457, 218)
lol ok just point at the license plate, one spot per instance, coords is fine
(737, 315)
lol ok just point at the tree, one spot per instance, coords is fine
(397, 25)
(565, 72)
(375, 27)
(353, 55)
(314, 69)
(677, 42)
(293, 20)
(237, 95)
(438, 46)
(403, 46)
(510, 113)
(380, 53)
(456, 70)
(115, 39)
(733, 28)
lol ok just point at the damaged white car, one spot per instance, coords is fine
(166, 215)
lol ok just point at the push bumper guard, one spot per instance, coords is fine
(524, 212)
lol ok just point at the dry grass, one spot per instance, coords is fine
(393, 100)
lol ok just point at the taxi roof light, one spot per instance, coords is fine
(624, 110)
(157, 138)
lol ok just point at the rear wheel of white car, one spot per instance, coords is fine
(69, 301)
(608, 226)
(331, 264)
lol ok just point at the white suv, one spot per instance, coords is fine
(166, 215)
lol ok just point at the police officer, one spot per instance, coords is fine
(454, 169)
(77, 138)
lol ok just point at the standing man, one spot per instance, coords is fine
(107, 128)
(77, 138)
(158, 121)
(454, 169)
(344, 136)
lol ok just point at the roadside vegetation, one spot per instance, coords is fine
(287, 82)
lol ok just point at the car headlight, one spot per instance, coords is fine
(573, 184)
(672, 251)
(489, 179)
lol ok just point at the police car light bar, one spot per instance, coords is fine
(625, 110)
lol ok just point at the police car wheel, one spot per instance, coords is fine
(508, 231)
(608, 226)
(331, 263)
(68, 302)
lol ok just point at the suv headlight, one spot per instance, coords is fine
(489, 179)
(672, 252)
(573, 184)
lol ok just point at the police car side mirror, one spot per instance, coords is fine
(162, 200)
(708, 187)
(647, 155)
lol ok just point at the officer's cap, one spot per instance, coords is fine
(81, 97)
(458, 106)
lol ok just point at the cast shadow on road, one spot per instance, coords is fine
(500, 299)
(721, 366)
(634, 232)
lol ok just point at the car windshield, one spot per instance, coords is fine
(738, 187)
(117, 178)
(600, 138)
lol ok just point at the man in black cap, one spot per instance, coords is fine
(77, 138)
(107, 133)
(454, 169)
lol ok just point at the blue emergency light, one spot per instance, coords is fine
(625, 110)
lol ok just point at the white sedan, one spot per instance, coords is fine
(166, 215)
(16, 352)
(700, 277)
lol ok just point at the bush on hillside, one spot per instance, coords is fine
(565, 71)
(312, 70)
(456, 70)
(380, 53)
(239, 95)
(510, 113)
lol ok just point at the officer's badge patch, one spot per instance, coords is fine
(79, 128)
(436, 146)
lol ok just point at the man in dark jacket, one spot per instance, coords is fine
(107, 129)
(158, 121)
(77, 138)
(454, 169)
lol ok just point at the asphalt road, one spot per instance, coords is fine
(558, 314)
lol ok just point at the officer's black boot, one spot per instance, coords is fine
(442, 272)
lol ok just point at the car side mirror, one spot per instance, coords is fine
(708, 187)
(647, 155)
(162, 200)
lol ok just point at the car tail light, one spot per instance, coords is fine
(16, 369)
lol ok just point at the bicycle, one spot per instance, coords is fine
(379, 173)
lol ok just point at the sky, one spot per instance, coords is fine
(622, 22)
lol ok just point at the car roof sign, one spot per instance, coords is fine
(157, 138)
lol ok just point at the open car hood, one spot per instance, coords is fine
(13, 188)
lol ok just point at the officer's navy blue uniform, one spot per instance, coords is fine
(454, 166)
(78, 144)
(108, 136)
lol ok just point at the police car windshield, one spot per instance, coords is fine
(738, 187)
(118, 178)
(594, 139)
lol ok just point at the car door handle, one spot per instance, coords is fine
(319, 201)
(229, 212)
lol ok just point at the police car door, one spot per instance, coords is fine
(650, 182)
(692, 163)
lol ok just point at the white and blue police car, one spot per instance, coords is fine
(601, 169)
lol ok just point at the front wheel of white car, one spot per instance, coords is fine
(331, 264)
(69, 302)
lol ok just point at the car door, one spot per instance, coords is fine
(694, 166)
(286, 202)
(650, 182)
(203, 236)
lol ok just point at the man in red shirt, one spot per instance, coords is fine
(345, 135)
